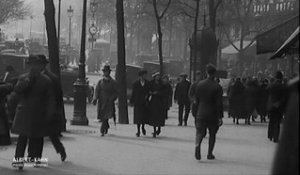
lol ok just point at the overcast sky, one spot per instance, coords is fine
(37, 9)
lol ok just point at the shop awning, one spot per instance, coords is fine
(270, 41)
(291, 45)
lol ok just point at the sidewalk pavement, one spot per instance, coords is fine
(240, 149)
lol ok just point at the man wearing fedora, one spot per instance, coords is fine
(181, 97)
(106, 94)
(31, 113)
(56, 122)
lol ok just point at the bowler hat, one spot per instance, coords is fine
(142, 72)
(106, 68)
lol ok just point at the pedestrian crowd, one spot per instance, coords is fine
(251, 97)
(31, 105)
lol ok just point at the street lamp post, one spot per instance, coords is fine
(93, 28)
(70, 15)
(80, 85)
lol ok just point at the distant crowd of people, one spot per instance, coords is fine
(250, 97)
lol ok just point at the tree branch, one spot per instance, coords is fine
(165, 10)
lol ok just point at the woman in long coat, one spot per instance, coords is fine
(140, 94)
(236, 98)
(4, 125)
(157, 116)
(262, 100)
(106, 93)
(250, 100)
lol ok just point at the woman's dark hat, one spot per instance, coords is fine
(34, 59)
(142, 72)
(106, 68)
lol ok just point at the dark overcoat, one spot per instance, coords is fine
(56, 122)
(209, 96)
(4, 125)
(250, 96)
(31, 113)
(277, 98)
(236, 100)
(262, 100)
(106, 93)
(156, 105)
(139, 99)
(181, 92)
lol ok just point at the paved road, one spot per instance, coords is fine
(240, 149)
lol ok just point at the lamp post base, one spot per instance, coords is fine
(79, 115)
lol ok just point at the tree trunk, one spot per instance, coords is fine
(53, 45)
(160, 35)
(195, 41)
(52, 38)
(212, 15)
(170, 36)
(121, 74)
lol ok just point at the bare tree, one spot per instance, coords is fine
(213, 9)
(53, 44)
(13, 10)
(159, 16)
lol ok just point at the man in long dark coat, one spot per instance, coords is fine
(250, 96)
(56, 122)
(157, 116)
(236, 100)
(276, 106)
(210, 111)
(182, 98)
(140, 93)
(31, 115)
(262, 100)
(106, 94)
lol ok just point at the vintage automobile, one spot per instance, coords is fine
(68, 75)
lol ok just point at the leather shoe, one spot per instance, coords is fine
(144, 131)
(210, 157)
(63, 155)
(138, 134)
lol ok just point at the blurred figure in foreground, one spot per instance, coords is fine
(286, 160)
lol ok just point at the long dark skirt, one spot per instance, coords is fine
(140, 114)
(157, 113)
